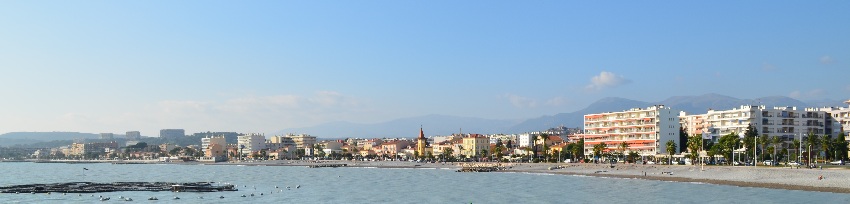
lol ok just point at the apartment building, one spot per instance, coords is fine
(474, 143)
(786, 123)
(646, 130)
(249, 143)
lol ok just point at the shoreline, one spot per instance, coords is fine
(758, 177)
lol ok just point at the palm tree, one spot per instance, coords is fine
(671, 148)
(826, 147)
(597, 150)
(623, 146)
(811, 142)
(777, 142)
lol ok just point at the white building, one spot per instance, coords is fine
(786, 123)
(302, 141)
(646, 130)
(251, 143)
(526, 139)
(838, 120)
(207, 141)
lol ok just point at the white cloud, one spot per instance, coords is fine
(606, 80)
(521, 102)
(826, 59)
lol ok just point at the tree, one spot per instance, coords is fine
(175, 151)
(623, 147)
(811, 142)
(483, 153)
(694, 144)
(671, 149)
(597, 150)
(727, 145)
(795, 146)
(777, 143)
(447, 154)
(578, 149)
(841, 146)
(827, 147)
(763, 140)
(750, 138)
(683, 139)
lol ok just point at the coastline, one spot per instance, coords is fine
(759, 177)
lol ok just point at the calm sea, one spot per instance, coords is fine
(372, 185)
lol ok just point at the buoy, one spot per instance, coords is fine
(252, 194)
(221, 197)
(176, 198)
(243, 195)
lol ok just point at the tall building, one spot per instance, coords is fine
(421, 144)
(133, 135)
(303, 140)
(646, 130)
(107, 136)
(249, 143)
(838, 119)
(171, 133)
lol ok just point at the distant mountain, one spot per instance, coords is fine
(16, 138)
(406, 127)
(575, 119)
(827, 103)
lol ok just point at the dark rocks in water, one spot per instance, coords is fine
(90, 187)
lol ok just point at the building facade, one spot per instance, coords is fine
(172, 133)
(646, 130)
(133, 135)
(474, 143)
(787, 123)
(249, 143)
(107, 136)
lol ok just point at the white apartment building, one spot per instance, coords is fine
(646, 130)
(526, 139)
(251, 143)
(505, 138)
(207, 141)
(302, 141)
(838, 120)
(783, 122)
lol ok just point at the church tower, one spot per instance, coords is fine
(421, 144)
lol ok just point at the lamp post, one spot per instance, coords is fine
(755, 156)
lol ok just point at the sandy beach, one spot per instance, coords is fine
(833, 180)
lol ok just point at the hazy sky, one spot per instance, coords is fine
(262, 66)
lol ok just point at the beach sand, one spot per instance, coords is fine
(833, 180)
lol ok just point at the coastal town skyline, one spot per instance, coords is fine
(268, 66)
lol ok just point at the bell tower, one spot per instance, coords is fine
(421, 143)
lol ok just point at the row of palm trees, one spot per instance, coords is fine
(774, 148)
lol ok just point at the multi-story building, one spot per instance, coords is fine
(786, 123)
(838, 119)
(171, 133)
(107, 136)
(526, 139)
(474, 143)
(249, 143)
(133, 135)
(646, 130)
(207, 141)
(302, 141)
(91, 148)
(503, 137)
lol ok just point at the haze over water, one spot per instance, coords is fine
(375, 185)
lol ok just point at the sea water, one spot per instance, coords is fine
(380, 185)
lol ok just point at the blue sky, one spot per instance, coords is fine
(262, 66)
